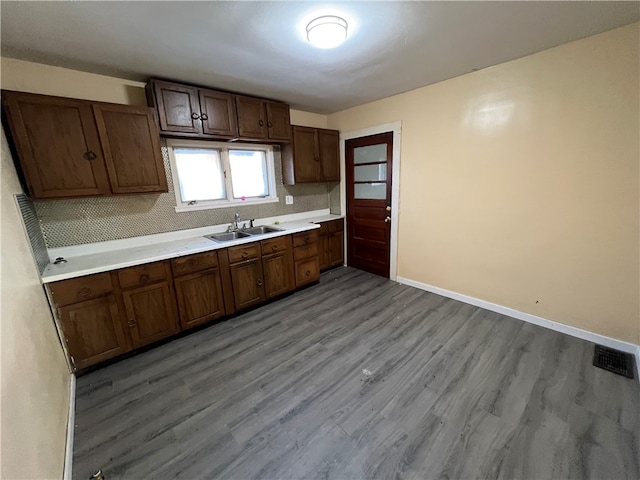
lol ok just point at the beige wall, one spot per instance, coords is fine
(519, 183)
(35, 377)
(47, 80)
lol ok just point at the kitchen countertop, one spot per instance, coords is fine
(81, 265)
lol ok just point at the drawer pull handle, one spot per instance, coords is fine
(195, 116)
(274, 248)
(259, 282)
(132, 322)
(83, 292)
(245, 254)
(144, 278)
(306, 239)
(204, 116)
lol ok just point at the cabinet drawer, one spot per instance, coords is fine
(307, 271)
(305, 251)
(324, 229)
(274, 245)
(336, 226)
(194, 263)
(142, 275)
(243, 252)
(79, 289)
(305, 238)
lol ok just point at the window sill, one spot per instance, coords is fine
(213, 206)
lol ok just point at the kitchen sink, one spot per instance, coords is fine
(261, 230)
(227, 236)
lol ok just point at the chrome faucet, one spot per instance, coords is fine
(236, 220)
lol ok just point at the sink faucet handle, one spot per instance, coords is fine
(237, 217)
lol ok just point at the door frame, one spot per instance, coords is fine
(396, 128)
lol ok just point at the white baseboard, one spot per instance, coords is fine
(527, 317)
(68, 461)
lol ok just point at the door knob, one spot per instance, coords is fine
(387, 220)
(388, 208)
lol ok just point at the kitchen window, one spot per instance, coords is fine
(213, 175)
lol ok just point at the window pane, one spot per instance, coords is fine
(372, 191)
(369, 173)
(200, 174)
(249, 173)
(370, 154)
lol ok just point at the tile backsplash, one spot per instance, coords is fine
(96, 219)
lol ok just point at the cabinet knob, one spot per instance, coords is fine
(195, 116)
(261, 123)
(132, 323)
(83, 292)
(204, 116)
(274, 248)
(388, 208)
(144, 278)
(89, 155)
(269, 124)
(245, 254)
(307, 273)
(259, 282)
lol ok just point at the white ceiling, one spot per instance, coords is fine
(259, 47)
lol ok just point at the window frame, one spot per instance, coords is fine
(223, 148)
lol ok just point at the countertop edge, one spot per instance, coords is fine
(107, 266)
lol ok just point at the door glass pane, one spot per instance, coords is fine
(370, 153)
(371, 191)
(370, 173)
(249, 173)
(199, 174)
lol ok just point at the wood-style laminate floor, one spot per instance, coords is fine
(360, 377)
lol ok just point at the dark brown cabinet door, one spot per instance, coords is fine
(218, 113)
(328, 144)
(199, 298)
(306, 155)
(131, 146)
(251, 117)
(93, 331)
(57, 144)
(248, 284)
(336, 248)
(278, 121)
(150, 313)
(178, 107)
(278, 274)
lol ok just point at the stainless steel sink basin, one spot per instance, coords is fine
(227, 236)
(261, 230)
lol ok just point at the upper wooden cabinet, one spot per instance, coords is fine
(131, 146)
(263, 119)
(313, 156)
(76, 148)
(189, 111)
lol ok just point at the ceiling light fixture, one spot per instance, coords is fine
(327, 31)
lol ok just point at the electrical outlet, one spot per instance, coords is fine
(288, 199)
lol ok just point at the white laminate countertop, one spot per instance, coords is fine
(81, 265)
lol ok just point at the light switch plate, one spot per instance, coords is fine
(288, 199)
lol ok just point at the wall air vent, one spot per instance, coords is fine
(613, 360)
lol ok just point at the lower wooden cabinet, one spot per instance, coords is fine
(278, 278)
(150, 313)
(331, 244)
(200, 298)
(93, 331)
(108, 314)
(248, 283)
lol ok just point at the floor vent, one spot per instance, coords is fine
(613, 360)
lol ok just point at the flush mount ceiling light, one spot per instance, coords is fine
(327, 31)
